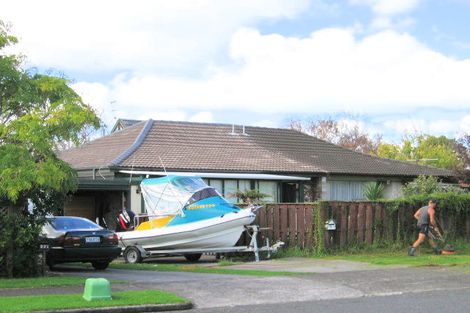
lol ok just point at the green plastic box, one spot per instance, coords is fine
(97, 289)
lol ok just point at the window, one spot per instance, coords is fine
(244, 185)
(269, 188)
(217, 184)
(72, 223)
(346, 190)
(230, 188)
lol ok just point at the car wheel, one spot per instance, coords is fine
(100, 265)
(193, 257)
(132, 255)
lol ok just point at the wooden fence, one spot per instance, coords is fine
(356, 222)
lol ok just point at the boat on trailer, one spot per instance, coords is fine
(187, 217)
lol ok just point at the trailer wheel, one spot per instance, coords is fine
(132, 255)
(194, 257)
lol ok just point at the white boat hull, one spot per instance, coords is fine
(216, 232)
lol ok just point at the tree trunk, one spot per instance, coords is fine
(9, 247)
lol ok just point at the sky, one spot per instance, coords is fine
(390, 66)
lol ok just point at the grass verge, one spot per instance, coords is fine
(198, 269)
(389, 254)
(400, 258)
(41, 282)
(54, 302)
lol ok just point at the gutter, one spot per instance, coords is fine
(220, 175)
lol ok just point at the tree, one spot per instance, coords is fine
(463, 151)
(37, 113)
(341, 134)
(426, 150)
(426, 185)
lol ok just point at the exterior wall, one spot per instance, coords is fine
(393, 190)
(135, 197)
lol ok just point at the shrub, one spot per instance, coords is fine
(374, 191)
(425, 185)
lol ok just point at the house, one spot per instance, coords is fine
(286, 165)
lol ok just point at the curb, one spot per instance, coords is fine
(128, 308)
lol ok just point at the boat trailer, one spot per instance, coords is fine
(136, 253)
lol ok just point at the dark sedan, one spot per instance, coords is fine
(77, 239)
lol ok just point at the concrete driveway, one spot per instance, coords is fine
(333, 280)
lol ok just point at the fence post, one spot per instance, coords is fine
(352, 225)
(343, 224)
(292, 224)
(369, 223)
(361, 216)
(301, 226)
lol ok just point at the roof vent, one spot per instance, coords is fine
(233, 130)
(243, 131)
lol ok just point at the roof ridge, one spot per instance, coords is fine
(138, 141)
(218, 124)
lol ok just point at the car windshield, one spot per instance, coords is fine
(72, 223)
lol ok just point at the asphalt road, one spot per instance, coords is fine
(426, 302)
(376, 290)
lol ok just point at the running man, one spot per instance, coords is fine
(426, 217)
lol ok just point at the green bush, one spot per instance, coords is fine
(426, 185)
(20, 231)
(374, 191)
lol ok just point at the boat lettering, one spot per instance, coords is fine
(201, 206)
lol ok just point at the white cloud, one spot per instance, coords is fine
(464, 127)
(447, 127)
(142, 35)
(389, 7)
(202, 117)
(329, 71)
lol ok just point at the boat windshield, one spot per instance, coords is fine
(203, 194)
(168, 195)
(190, 184)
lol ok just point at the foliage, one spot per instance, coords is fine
(463, 151)
(344, 134)
(318, 232)
(449, 202)
(424, 149)
(54, 302)
(374, 191)
(248, 196)
(37, 113)
(425, 185)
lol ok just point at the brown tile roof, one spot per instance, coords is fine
(102, 151)
(188, 146)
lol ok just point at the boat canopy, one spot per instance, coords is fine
(170, 194)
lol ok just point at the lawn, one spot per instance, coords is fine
(39, 282)
(54, 302)
(198, 269)
(399, 257)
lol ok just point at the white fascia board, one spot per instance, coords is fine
(220, 175)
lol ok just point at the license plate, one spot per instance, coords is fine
(92, 239)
